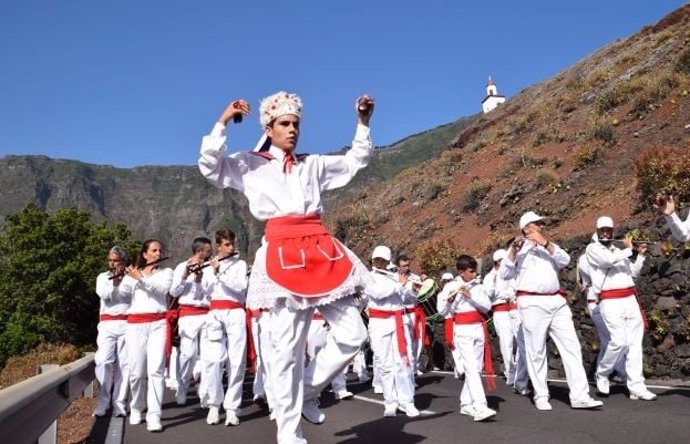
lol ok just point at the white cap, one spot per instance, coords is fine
(446, 277)
(279, 104)
(528, 218)
(499, 255)
(382, 252)
(604, 222)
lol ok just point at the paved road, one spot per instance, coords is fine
(360, 420)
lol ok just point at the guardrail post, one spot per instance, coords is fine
(49, 436)
(88, 391)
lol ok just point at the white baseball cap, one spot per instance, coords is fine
(528, 218)
(446, 277)
(381, 252)
(604, 222)
(499, 255)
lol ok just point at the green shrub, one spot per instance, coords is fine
(663, 169)
(479, 189)
(586, 155)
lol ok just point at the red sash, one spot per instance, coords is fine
(191, 310)
(141, 318)
(623, 293)
(256, 314)
(475, 317)
(317, 316)
(225, 304)
(504, 306)
(107, 317)
(303, 257)
(399, 329)
(420, 326)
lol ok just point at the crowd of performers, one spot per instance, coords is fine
(298, 319)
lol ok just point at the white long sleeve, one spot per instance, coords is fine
(611, 267)
(115, 300)
(478, 299)
(150, 292)
(535, 269)
(679, 229)
(271, 192)
(230, 283)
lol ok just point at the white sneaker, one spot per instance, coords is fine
(181, 396)
(100, 411)
(542, 404)
(420, 373)
(587, 403)
(521, 391)
(119, 412)
(153, 424)
(213, 416)
(643, 396)
(364, 377)
(390, 410)
(602, 385)
(231, 419)
(484, 414)
(377, 389)
(272, 416)
(135, 417)
(312, 413)
(467, 410)
(259, 399)
(410, 410)
(344, 394)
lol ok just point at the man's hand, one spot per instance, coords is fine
(642, 249)
(239, 107)
(627, 242)
(665, 205)
(364, 106)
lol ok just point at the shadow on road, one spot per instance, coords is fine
(385, 430)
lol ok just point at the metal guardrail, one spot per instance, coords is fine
(30, 407)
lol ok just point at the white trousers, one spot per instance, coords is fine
(189, 328)
(359, 364)
(316, 341)
(604, 338)
(469, 356)
(291, 383)
(550, 316)
(146, 354)
(624, 323)
(395, 374)
(506, 340)
(521, 373)
(111, 365)
(224, 346)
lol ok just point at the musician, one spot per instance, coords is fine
(534, 261)
(414, 311)
(584, 282)
(111, 354)
(465, 299)
(193, 306)
(146, 334)
(284, 189)
(224, 343)
(505, 314)
(613, 273)
(667, 207)
(390, 333)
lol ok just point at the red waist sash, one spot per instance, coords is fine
(107, 317)
(317, 316)
(192, 310)
(420, 326)
(224, 304)
(303, 257)
(256, 314)
(140, 318)
(618, 293)
(473, 317)
(399, 328)
(504, 306)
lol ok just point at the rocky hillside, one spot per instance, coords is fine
(566, 149)
(175, 203)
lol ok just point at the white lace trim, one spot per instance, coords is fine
(264, 293)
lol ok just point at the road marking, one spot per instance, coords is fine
(654, 386)
(379, 402)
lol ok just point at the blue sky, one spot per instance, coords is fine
(131, 83)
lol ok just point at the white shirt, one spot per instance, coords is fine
(230, 284)
(611, 267)
(391, 293)
(114, 300)
(187, 290)
(535, 270)
(270, 191)
(498, 289)
(150, 292)
(478, 299)
(680, 229)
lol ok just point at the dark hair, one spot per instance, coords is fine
(199, 243)
(141, 261)
(464, 261)
(226, 234)
(400, 258)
